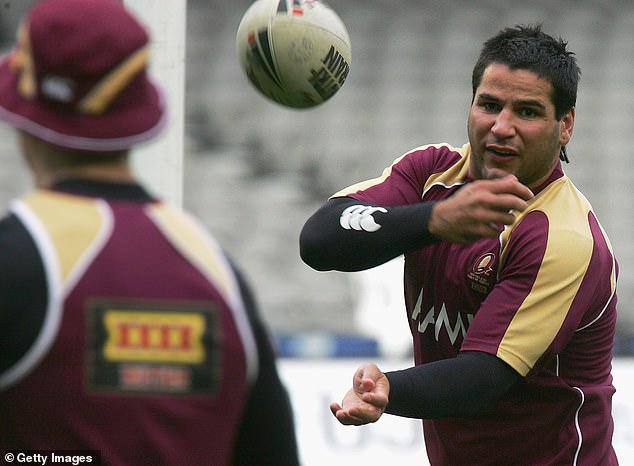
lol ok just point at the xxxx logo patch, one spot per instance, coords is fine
(153, 349)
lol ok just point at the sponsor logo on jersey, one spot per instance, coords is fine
(152, 349)
(481, 276)
(150, 336)
(440, 323)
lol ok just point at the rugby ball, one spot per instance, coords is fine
(295, 52)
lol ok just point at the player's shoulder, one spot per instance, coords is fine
(440, 153)
(442, 164)
(435, 158)
(563, 220)
(182, 226)
(565, 207)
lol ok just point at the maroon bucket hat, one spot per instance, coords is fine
(77, 77)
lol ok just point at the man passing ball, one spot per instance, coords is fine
(510, 293)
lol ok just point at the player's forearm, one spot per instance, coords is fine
(349, 235)
(462, 386)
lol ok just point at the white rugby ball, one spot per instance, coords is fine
(295, 52)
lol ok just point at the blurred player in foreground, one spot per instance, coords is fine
(512, 332)
(123, 326)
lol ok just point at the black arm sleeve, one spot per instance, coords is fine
(23, 292)
(457, 387)
(267, 432)
(325, 245)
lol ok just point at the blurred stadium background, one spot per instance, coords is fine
(254, 171)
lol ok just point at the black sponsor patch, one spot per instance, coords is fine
(153, 349)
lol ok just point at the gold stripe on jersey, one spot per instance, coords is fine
(185, 235)
(57, 212)
(203, 252)
(566, 258)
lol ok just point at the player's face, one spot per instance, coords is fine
(512, 126)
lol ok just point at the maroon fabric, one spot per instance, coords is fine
(74, 44)
(91, 405)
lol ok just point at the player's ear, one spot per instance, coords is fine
(566, 125)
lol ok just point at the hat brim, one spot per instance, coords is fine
(118, 129)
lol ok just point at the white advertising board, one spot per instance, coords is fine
(314, 383)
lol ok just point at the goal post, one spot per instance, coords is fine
(160, 164)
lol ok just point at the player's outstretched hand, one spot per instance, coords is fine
(366, 401)
(479, 209)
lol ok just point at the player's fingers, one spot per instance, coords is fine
(364, 378)
(334, 408)
(478, 231)
(495, 218)
(346, 418)
(481, 195)
(377, 400)
(358, 416)
(506, 202)
(509, 185)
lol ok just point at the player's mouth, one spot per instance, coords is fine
(498, 153)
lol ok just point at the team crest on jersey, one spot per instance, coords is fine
(152, 349)
(481, 276)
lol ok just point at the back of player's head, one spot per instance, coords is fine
(529, 48)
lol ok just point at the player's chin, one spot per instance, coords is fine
(493, 173)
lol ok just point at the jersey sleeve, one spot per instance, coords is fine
(371, 222)
(268, 400)
(23, 292)
(406, 179)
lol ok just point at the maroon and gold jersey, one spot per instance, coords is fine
(540, 296)
(144, 350)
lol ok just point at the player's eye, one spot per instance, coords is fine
(489, 106)
(528, 112)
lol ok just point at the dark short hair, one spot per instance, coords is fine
(528, 48)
